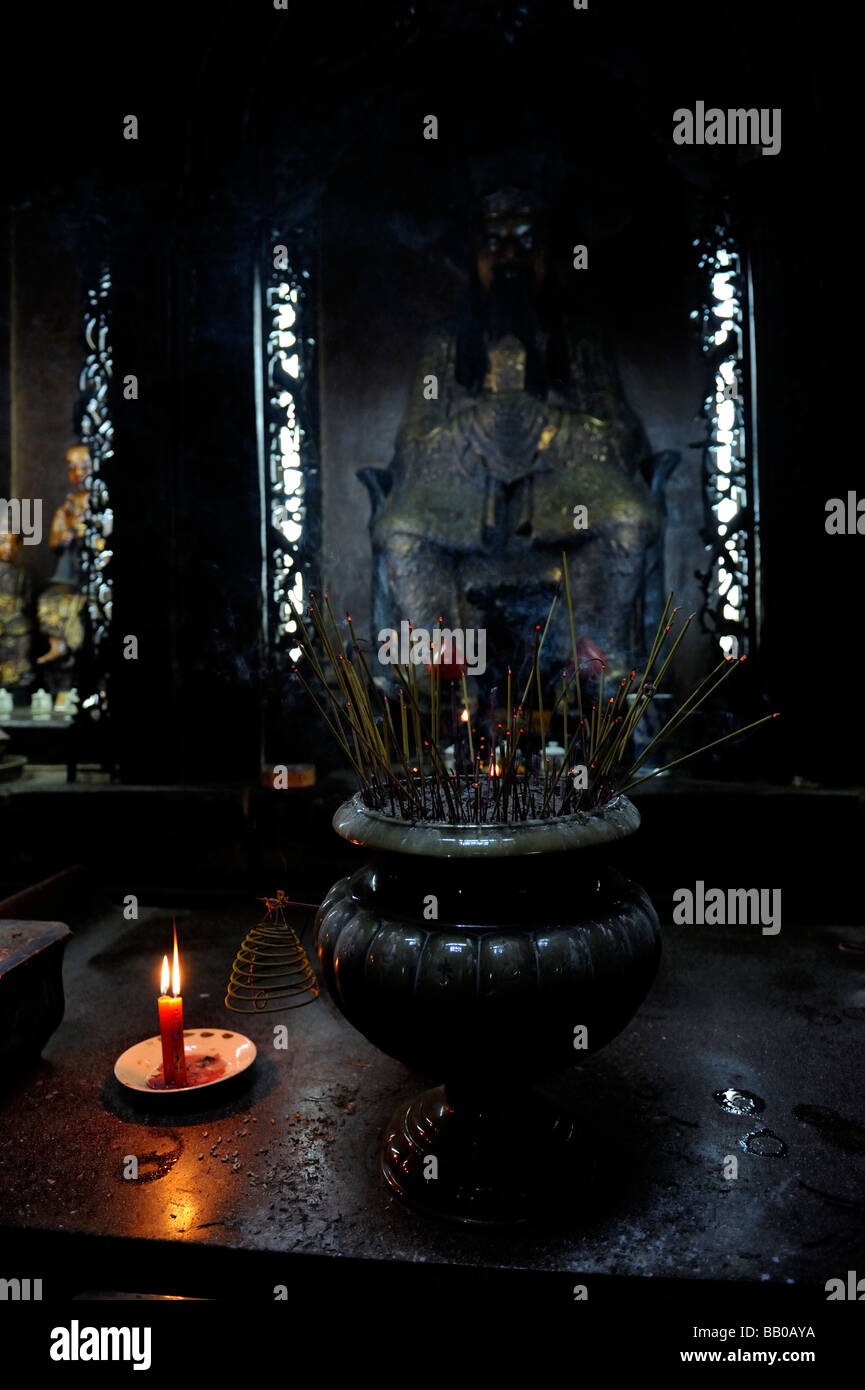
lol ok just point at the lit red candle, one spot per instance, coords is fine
(171, 1024)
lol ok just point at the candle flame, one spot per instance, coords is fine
(163, 987)
(465, 716)
(175, 972)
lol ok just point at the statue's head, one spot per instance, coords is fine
(512, 294)
(79, 465)
(510, 241)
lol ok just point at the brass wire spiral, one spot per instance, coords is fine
(271, 971)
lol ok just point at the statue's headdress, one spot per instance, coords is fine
(510, 202)
(509, 182)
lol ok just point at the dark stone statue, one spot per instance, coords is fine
(516, 443)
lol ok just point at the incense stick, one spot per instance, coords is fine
(405, 767)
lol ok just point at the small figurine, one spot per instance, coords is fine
(61, 604)
(14, 627)
(40, 705)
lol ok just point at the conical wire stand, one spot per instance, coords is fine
(271, 970)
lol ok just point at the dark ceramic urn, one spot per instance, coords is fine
(489, 958)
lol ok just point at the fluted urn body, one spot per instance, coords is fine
(489, 958)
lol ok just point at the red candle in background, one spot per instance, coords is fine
(171, 1024)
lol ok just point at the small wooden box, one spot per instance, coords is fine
(31, 990)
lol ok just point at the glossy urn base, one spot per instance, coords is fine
(475, 1162)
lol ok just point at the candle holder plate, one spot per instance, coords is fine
(140, 1061)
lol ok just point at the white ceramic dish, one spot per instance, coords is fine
(139, 1062)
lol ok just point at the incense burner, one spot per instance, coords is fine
(489, 958)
